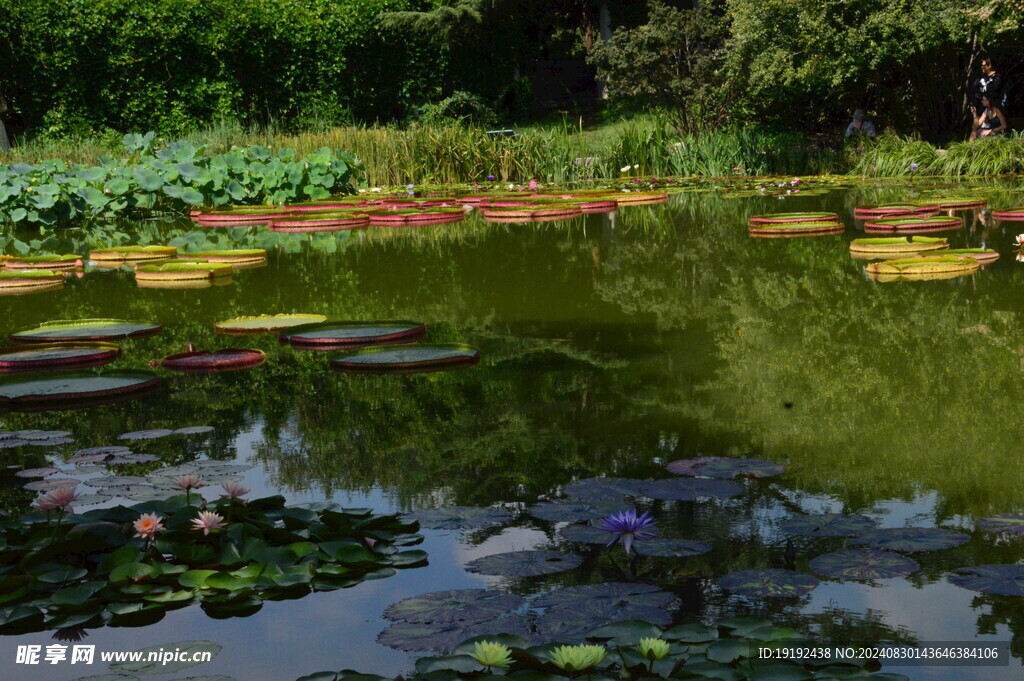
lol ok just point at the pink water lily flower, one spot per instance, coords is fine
(1019, 240)
(148, 525)
(189, 482)
(208, 521)
(60, 498)
(234, 490)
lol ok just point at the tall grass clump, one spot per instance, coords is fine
(895, 156)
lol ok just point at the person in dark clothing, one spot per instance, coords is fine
(990, 84)
(991, 121)
(5, 145)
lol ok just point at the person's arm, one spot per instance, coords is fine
(1002, 122)
(849, 130)
(869, 129)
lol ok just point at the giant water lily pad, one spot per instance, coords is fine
(1004, 580)
(188, 652)
(121, 254)
(85, 329)
(266, 323)
(646, 595)
(1006, 523)
(204, 361)
(829, 525)
(73, 387)
(353, 333)
(443, 637)
(460, 605)
(46, 356)
(194, 430)
(687, 489)
(408, 358)
(559, 511)
(524, 563)
(692, 467)
(459, 517)
(670, 548)
(744, 468)
(772, 583)
(604, 489)
(863, 564)
(912, 539)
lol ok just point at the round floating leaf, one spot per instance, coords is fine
(119, 459)
(573, 623)
(36, 472)
(51, 484)
(97, 454)
(117, 481)
(194, 430)
(414, 357)
(68, 387)
(461, 605)
(188, 652)
(13, 444)
(1004, 580)
(604, 489)
(670, 548)
(692, 467)
(524, 563)
(442, 638)
(745, 468)
(645, 595)
(1006, 523)
(203, 361)
(586, 534)
(90, 499)
(108, 677)
(627, 632)
(146, 434)
(912, 539)
(266, 323)
(863, 564)
(770, 583)
(687, 489)
(45, 356)
(829, 525)
(558, 511)
(85, 329)
(352, 333)
(459, 517)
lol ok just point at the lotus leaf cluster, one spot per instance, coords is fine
(128, 566)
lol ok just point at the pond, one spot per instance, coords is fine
(610, 345)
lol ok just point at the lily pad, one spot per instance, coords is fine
(266, 323)
(1005, 523)
(116, 481)
(73, 387)
(98, 454)
(863, 564)
(442, 637)
(572, 622)
(557, 511)
(407, 358)
(771, 583)
(912, 539)
(194, 430)
(692, 467)
(353, 333)
(204, 361)
(646, 595)
(85, 329)
(152, 434)
(829, 525)
(587, 534)
(47, 356)
(687, 489)
(91, 499)
(670, 548)
(1004, 580)
(51, 484)
(524, 563)
(36, 472)
(461, 605)
(744, 468)
(604, 489)
(459, 517)
(188, 652)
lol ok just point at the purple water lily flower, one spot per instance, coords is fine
(491, 178)
(629, 527)
(914, 166)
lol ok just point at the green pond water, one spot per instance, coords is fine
(610, 345)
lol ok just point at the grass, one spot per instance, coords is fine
(894, 156)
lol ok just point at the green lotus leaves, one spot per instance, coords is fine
(1003, 580)
(670, 548)
(863, 564)
(524, 563)
(462, 605)
(241, 255)
(85, 329)
(122, 254)
(266, 323)
(73, 386)
(341, 333)
(829, 525)
(770, 583)
(913, 539)
(411, 358)
(781, 218)
(586, 534)
(899, 244)
(56, 356)
(950, 264)
(604, 489)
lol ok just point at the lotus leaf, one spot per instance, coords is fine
(459, 517)
(132, 253)
(604, 489)
(670, 548)
(36, 472)
(863, 564)
(464, 605)
(692, 467)
(194, 430)
(571, 623)
(586, 534)
(687, 489)
(52, 483)
(559, 511)
(828, 525)
(43, 356)
(745, 468)
(443, 637)
(407, 357)
(151, 434)
(912, 539)
(608, 593)
(85, 329)
(523, 563)
(266, 323)
(339, 333)
(1004, 580)
(770, 583)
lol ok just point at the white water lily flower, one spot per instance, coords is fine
(375, 189)
(626, 169)
(1019, 240)
(1020, 257)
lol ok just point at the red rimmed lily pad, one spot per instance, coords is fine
(61, 331)
(872, 211)
(266, 323)
(783, 218)
(123, 254)
(45, 262)
(407, 358)
(73, 387)
(237, 256)
(204, 361)
(1003, 580)
(22, 280)
(46, 356)
(863, 564)
(772, 583)
(1009, 214)
(333, 334)
(795, 229)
